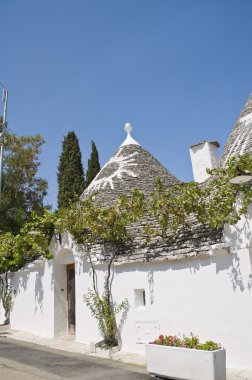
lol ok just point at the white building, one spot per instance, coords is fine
(200, 284)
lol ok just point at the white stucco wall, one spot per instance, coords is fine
(196, 296)
(86, 326)
(33, 299)
(40, 294)
(210, 297)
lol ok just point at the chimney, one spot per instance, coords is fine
(203, 156)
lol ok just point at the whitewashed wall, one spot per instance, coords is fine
(33, 297)
(40, 294)
(210, 297)
(86, 326)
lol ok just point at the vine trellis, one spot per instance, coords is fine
(212, 203)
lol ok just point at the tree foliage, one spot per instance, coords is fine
(23, 190)
(30, 243)
(71, 180)
(17, 250)
(93, 165)
(22, 197)
(213, 204)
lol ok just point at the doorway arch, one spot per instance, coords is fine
(64, 292)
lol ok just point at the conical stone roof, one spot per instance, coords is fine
(240, 139)
(130, 168)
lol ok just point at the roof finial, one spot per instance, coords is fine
(129, 140)
(128, 128)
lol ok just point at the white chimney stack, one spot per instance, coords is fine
(204, 156)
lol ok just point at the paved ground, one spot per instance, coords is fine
(26, 361)
(67, 343)
(18, 361)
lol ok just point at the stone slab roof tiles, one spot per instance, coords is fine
(130, 168)
(240, 139)
(196, 240)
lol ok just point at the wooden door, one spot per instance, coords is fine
(71, 297)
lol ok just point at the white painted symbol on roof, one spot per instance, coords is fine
(124, 166)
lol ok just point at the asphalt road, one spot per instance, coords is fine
(26, 361)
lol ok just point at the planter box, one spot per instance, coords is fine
(95, 347)
(185, 363)
(107, 353)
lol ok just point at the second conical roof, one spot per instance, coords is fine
(240, 139)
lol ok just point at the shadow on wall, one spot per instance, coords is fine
(229, 262)
(20, 281)
(23, 277)
(250, 275)
(240, 235)
(86, 270)
(122, 316)
(39, 292)
(123, 319)
(150, 276)
(235, 274)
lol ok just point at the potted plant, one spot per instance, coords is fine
(186, 358)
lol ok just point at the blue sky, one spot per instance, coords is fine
(178, 70)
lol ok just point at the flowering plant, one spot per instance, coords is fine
(186, 342)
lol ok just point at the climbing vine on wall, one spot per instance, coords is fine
(88, 223)
(213, 203)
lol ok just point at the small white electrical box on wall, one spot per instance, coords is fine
(147, 331)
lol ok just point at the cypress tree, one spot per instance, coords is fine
(71, 180)
(93, 165)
